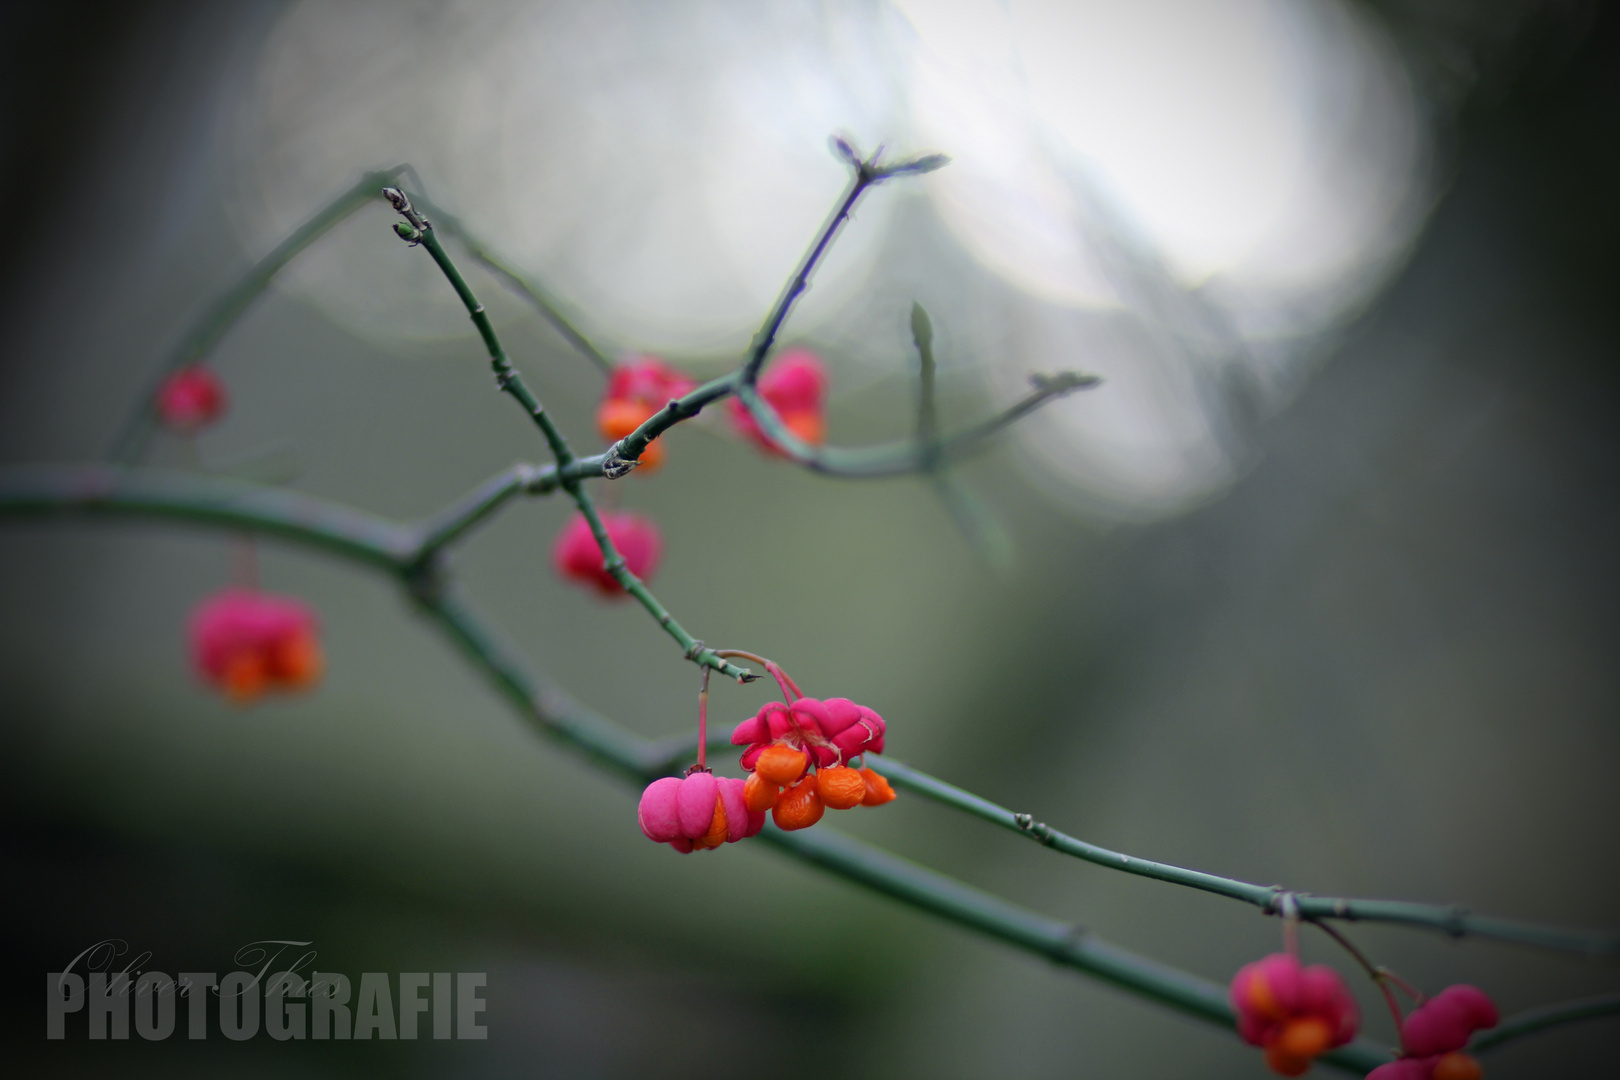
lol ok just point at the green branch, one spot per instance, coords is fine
(417, 230)
(42, 491)
(447, 525)
(902, 458)
(1449, 920)
(1533, 1020)
(865, 173)
(407, 550)
(208, 328)
(109, 491)
(549, 306)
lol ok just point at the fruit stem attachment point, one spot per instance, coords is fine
(782, 678)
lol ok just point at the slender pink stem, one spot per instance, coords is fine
(703, 720)
(784, 679)
(789, 687)
(1418, 997)
(1380, 976)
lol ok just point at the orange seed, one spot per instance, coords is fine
(840, 787)
(799, 807)
(759, 794)
(1306, 1037)
(878, 790)
(245, 677)
(781, 765)
(717, 828)
(1285, 1064)
(1457, 1066)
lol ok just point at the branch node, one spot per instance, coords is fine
(425, 580)
(694, 650)
(402, 205)
(615, 464)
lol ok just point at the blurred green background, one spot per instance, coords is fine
(1378, 662)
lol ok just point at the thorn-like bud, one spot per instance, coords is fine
(396, 198)
(1063, 382)
(615, 466)
(922, 329)
(845, 149)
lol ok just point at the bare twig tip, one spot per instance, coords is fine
(845, 149)
(1063, 382)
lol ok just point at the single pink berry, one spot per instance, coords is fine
(696, 812)
(191, 398)
(795, 385)
(577, 556)
(1448, 1020)
(247, 643)
(646, 380)
(1294, 1012)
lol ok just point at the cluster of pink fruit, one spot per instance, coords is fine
(798, 768)
(795, 385)
(1297, 1013)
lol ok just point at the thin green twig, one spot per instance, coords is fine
(1533, 1020)
(549, 307)
(1450, 920)
(210, 326)
(417, 230)
(449, 524)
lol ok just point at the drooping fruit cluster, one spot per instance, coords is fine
(795, 385)
(697, 811)
(639, 387)
(577, 556)
(190, 399)
(248, 643)
(1296, 1013)
(785, 740)
(1434, 1034)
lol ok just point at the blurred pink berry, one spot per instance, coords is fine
(696, 812)
(795, 385)
(247, 643)
(1296, 1013)
(577, 557)
(638, 388)
(1447, 1020)
(191, 398)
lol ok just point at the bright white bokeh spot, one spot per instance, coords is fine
(662, 166)
(1229, 178)
(1180, 195)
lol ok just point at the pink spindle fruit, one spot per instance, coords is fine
(577, 557)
